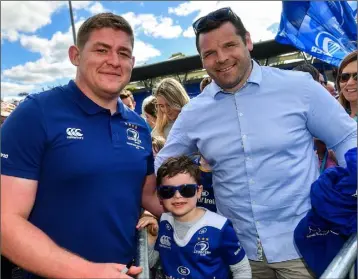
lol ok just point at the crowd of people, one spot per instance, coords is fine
(221, 181)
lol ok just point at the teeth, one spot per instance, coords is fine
(224, 70)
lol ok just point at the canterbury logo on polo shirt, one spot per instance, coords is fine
(74, 133)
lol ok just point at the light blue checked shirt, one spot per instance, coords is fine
(259, 142)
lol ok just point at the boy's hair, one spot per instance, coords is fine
(176, 165)
(158, 143)
(103, 20)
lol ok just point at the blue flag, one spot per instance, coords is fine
(325, 29)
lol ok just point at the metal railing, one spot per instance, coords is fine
(142, 252)
(344, 262)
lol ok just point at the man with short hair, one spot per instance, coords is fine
(77, 165)
(308, 68)
(255, 126)
(132, 98)
(127, 98)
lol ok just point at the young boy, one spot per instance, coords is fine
(192, 242)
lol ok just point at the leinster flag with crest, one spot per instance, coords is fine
(325, 29)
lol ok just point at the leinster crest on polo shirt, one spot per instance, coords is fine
(133, 136)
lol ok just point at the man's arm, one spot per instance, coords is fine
(328, 121)
(25, 244)
(342, 148)
(178, 143)
(150, 200)
(30, 248)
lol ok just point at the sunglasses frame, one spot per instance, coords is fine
(177, 188)
(213, 16)
(351, 75)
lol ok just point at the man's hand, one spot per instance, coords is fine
(112, 270)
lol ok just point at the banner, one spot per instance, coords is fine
(325, 29)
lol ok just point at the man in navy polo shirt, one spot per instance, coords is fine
(77, 165)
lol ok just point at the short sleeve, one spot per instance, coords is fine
(150, 158)
(150, 164)
(231, 250)
(23, 139)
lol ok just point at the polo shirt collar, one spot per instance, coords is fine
(90, 107)
(254, 77)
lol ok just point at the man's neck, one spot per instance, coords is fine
(110, 104)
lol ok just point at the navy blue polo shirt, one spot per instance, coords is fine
(90, 167)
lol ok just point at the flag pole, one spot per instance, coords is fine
(72, 23)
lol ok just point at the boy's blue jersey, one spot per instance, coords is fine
(207, 199)
(206, 251)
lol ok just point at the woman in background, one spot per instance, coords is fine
(149, 111)
(171, 98)
(346, 84)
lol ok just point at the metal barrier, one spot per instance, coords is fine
(344, 262)
(142, 252)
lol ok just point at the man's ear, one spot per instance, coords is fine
(133, 61)
(74, 55)
(248, 41)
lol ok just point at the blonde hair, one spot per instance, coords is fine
(174, 93)
(347, 60)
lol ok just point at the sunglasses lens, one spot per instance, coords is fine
(166, 192)
(200, 24)
(346, 76)
(219, 15)
(188, 191)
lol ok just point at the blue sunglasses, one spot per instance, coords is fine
(186, 191)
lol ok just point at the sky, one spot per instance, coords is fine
(36, 35)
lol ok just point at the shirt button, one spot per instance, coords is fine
(241, 114)
(248, 158)
(253, 202)
(251, 181)
(257, 222)
(243, 136)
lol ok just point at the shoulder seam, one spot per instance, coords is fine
(42, 116)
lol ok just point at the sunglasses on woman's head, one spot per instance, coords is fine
(344, 77)
(216, 16)
(186, 191)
